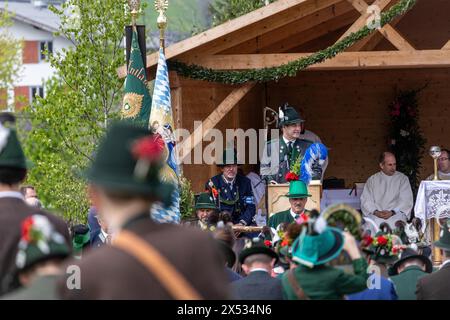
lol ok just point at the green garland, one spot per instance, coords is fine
(289, 69)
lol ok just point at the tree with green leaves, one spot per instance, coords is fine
(80, 102)
(224, 10)
(10, 58)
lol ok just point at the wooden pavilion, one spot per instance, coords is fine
(344, 100)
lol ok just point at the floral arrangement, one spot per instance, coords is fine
(147, 150)
(294, 173)
(382, 244)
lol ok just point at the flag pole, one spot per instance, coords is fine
(161, 6)
(135, 6)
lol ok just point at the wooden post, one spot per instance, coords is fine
(435, 232)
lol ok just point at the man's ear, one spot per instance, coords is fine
(272, 263)
(246, 268)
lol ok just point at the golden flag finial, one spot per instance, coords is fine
(161, 6)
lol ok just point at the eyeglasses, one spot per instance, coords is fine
(442, 159)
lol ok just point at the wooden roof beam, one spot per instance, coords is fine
(446, 46)
(387, 30)
(362, 20)
(343, 61)
(241, 29)
(290, 30)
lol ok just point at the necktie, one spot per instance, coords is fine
(296, 216)
(108, 239)
(289, 148)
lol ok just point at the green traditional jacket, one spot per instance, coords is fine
(406, 282)
(280, 217)
(327, 283)
(277, 171)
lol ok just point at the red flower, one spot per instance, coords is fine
(27, 226)
(382, 241)
(149, 148)
(395, 113)
(267, 243)
(290, 176)
(284, 243)
(214, 192)
(367, 241)
(303, 218)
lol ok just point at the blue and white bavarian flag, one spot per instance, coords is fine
(161, 122)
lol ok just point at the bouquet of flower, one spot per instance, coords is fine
(294, 173)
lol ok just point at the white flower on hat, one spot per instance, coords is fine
(280, 114)
(4, 134)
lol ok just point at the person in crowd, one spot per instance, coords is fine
(41, 251)
(13, 208)
(387, 196)
(147, 260)
(382, 252)
(103, 236)
(312, 279)
(436, 286)
(406, 272)
(257, 261)
(81, 235)
(30, 195)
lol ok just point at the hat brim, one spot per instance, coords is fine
(427, 262)
(157, 190)
(297, 196)
(257, 250)
(333, 253)
(205, 206)
(441, 245)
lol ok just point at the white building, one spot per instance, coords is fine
(34, 24)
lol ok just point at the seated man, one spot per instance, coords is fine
(233, 191)
(298, 196)
(387, 195)
(443, 166)
(204, 208)
(257, 262)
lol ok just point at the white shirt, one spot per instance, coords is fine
(293, 214)
(383, 192)
(259, 269)
(12, 194)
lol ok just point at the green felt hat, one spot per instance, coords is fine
(129, 159)
(11, 152)
(39, 242)
(444, 240)
(288, 115)
(229, 157)
(297, 189)
(256, 246)
(81, 236)
(316, 249)
(205, 201)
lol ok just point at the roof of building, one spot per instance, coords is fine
(27, 12)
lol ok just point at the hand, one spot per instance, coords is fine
(350, 246)
(385, 214)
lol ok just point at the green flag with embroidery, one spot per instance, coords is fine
(136, 101)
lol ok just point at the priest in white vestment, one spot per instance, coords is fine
(443, 166)
(387, 195)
